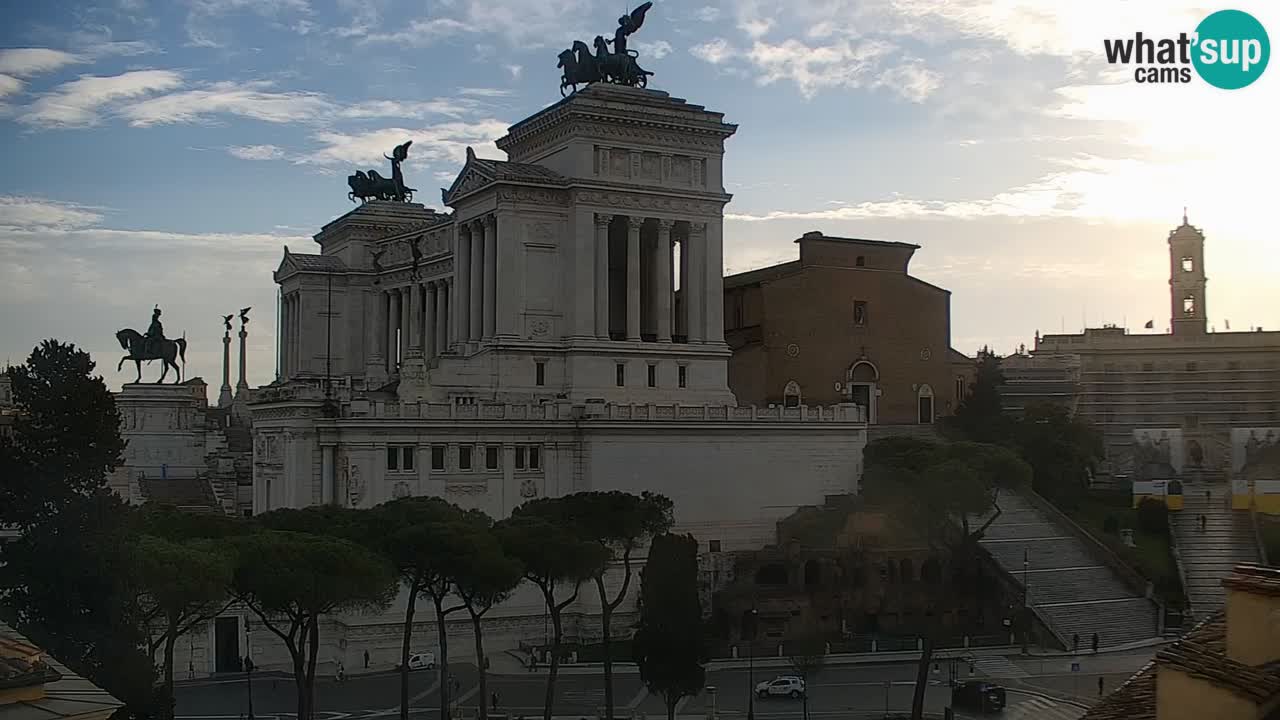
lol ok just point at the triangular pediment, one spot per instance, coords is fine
(475, 174)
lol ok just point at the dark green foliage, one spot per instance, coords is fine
(668, 644)
(66, 436)
(980, 415)
(553, 558)
(1153, 517)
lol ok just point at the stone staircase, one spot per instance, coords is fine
(1208, 556)
(1074, 591)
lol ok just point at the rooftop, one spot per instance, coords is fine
(34, 686)
(817, 235)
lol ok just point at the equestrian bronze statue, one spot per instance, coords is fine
(618, 66)
(153, 346)
(372, 186)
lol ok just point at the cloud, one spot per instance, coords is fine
(485, 92)
(25, 62)
(26, 213)
(402, 109)
(514, 70)
(657, 49)
(707, 14)
(841, 64)
(912, 80)
(256, 152)
(202, 24)
(420, 33)
(714, 51)
(9, 86)
(446, 142)
(249, 100)
(76, 103)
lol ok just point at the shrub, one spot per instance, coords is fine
(1153, 517)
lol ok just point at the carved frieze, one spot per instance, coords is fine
(636, 201)
(533, 196)
(528, 489)
(539, 327)
(466, 488)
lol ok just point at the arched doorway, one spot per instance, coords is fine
(924, 397)
(864, 380)
(791, 395)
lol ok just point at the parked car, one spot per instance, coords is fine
(781, 686)
(422, 661)
(978, 695)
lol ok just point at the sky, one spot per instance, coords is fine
(165, 152)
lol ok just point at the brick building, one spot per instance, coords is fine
(846, 322)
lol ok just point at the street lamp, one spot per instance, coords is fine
(248, 664)
(751, 668)
(1026, 591)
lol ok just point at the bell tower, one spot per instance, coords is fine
(1186, 279)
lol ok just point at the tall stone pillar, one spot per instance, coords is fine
(662, 286)
(602, 275)
(295, 333)
(429, 321)
(224, 395)
(444, 327)
(682, 318)
(462, 285)
(406, 321)
(633, 277)
(242, 384)
(695, 296)
(393, 324)
(490, 276)
(286, 335)
(714, 290)
(375, 361)
(413, 328)
(475, 299)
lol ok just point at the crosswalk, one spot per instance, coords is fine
(998, 666)
(1030, 707)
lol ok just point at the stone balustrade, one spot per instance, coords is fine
(601, 412)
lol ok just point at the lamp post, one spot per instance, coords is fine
(751, 668)
(1026, 620)
(248, 664)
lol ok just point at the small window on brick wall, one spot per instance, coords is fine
(437, 457)
(464, 457)
(859, 312)
(491, 455)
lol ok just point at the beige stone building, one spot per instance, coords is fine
(844, 323)
(1191, 383)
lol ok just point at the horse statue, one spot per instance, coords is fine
(373, 186)
(168, 351)
(618, 67)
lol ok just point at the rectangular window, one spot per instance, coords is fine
(437, 457)
(393, 459)
(1189, 305)
(535, 457)
(715, 546)
(540, 374)
(960, 388)
(406, 454)
(682, 376)
(519, 457)
(1188, 264)
(859, 312)
(1191, 367)
(464, 457)
(491, 457)
(621, 371)
(653, 376)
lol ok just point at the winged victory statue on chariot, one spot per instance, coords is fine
(372, 186)
(619, 67)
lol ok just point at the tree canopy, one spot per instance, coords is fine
(668, 644)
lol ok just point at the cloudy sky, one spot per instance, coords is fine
(166, 152)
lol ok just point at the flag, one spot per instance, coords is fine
(1228, 322)
(1150, 324)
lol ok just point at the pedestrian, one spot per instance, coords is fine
(486, 662)
(1207, 496)
(1075, 643)
(1095, 642)
(366, 659)
(1099, 686)
(494, 698)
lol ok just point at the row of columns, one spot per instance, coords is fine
(290, 347)
(413, 321)
(661, 298)
(476, 269)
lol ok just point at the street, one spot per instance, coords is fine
(861, 690)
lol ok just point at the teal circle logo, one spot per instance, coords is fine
(1232, 49)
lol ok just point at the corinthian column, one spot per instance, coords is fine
(444, 291)
(476, 321)
(602, 275)
(462, 285)
(662, 288)
(633, 277)
(413, 328)
(429, 321)
(490, 277)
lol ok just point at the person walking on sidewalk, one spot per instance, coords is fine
(366, 659)
(1095, 642)
(1099, 686)
(1075, 643)
(494, 698)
